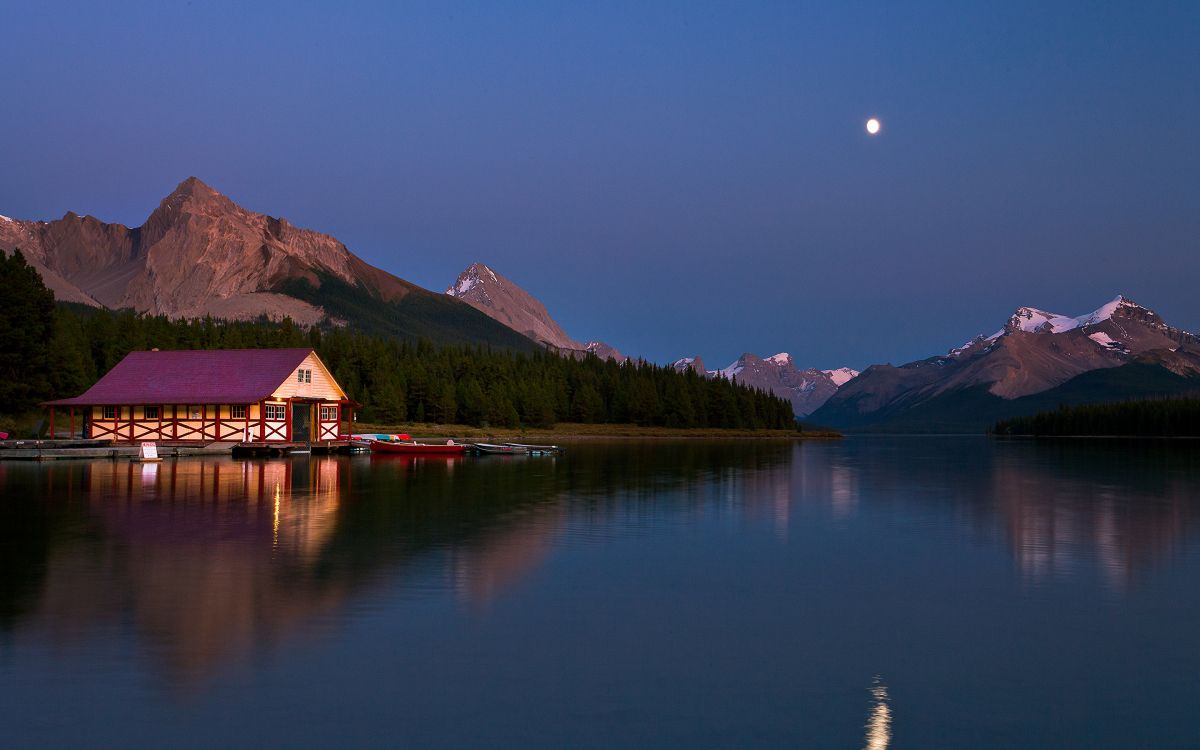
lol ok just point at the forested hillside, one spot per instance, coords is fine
(51, 351)
(1171, 417)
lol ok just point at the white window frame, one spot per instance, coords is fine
(146, 412)
(304, 376)
(108, 412)
(237, 411)
(275, 409)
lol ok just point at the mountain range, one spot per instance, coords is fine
(807, 388)
(199, 253)
(1037, 360)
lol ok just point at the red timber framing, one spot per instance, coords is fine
(171, 425)
(346, 407)
(329, 429)
(273, 430)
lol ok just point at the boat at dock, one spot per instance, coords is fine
(537, 449)
(498, 449)
(417, 449)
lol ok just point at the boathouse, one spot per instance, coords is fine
(238, 395)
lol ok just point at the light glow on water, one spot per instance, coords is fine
(879, 726)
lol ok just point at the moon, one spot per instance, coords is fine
(873, 126)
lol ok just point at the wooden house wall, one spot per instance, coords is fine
(206, 423)
(323, 386)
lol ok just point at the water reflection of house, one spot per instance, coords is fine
(209, 559)
(239, 395)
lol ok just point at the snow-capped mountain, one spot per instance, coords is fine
(807, 389)
(695, 364)
(841, 376)
(1035, 351)
(504, 301)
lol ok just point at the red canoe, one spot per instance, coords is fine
(417, 449)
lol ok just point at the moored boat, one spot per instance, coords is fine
(384, 436)
(505, 450)
(418, 449)
(537, 448)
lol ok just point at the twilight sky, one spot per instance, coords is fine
(673, 178)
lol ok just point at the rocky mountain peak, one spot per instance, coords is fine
(841, 375)
(476, 277)
(503, 300)
(198, 253)
(1033, 320)
(695, 364)
(194, 196)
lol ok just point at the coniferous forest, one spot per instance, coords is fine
(50, 350)
(1168, 417)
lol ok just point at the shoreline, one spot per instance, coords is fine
(576, 431)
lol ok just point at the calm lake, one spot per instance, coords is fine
(876, 592)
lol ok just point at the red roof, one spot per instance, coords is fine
(214, 376)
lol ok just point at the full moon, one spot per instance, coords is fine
(873, 126)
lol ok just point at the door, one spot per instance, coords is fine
(302, 421)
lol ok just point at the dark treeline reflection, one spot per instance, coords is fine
(208, 561)
(210, 558)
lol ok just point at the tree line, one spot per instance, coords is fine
(50, 350)
(1167, 417)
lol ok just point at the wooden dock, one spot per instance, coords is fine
(56, 450)
(273, 448)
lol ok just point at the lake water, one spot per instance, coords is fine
(875, 592)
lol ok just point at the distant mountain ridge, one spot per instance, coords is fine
(1036, 352)
(199, 253)
(505, 301)
(807, 389)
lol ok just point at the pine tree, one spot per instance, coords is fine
(27, 330)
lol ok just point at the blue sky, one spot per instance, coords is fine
(673, 178)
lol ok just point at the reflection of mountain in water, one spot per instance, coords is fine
(1125, 504)
(1063, 507)
(210, 560)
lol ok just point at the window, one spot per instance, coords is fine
(149, 412)
(108, 412)
(237, 412)
(276, 412)
(329, 414)
(303, 376)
